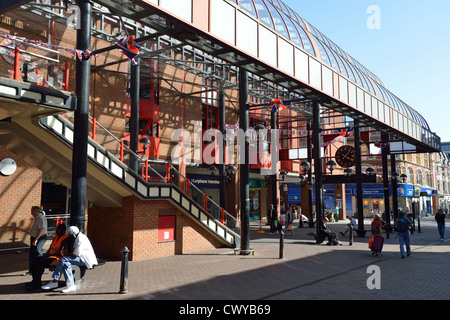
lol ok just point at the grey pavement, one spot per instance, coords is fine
(306, 272)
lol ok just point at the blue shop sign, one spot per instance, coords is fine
(369, 191)
(204, 182)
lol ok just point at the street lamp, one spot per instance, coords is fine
(330, 165)
(305, 166)
(395, 176)
(145, 144)
(403, 177)
(347, 172)
(231, 171)
(370, 171)
(212, 170)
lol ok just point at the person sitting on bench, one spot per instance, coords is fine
(83, 255)
(324, 232)
(49, 259)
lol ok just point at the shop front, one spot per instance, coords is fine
(209, 185)
(258, 198)
(373, 198)
(409, 194)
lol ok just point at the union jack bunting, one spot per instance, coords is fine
(347, 132)
(381, 145)
(277, 105)
(129, 47)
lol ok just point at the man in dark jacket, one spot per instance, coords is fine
(273, 216)
(440, 219)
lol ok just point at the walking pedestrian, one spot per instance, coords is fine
(38, 235)
(273, 218)
(376, 235)
(440, 219)
(402, 225)
(351, 223)
(289, 221)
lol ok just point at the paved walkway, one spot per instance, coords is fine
(307, 272)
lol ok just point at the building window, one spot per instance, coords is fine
(210, 117)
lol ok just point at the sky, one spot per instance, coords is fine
(407, 47)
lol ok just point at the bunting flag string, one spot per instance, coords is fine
(381, 145)
(277, 105)
(347, 132)
(129, 47)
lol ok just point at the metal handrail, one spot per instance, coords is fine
(142, 160)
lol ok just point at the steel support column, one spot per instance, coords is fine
(384, 161)
(394, 188)
(274, 178)
(359, 185)
(81, 121)
(317, 142)
(312, 219)
(134, 114)
(244, 165)
(222, 171)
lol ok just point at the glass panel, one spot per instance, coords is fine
(387, 114)
(315, 74)
(248, 6)
(374, 108)
(352, 94)
(380, 110)
(327, 80)
(295, 37)
(286, 56)
(181, 8)
(223, 14)
(267, 45)
(263, 13)
(301, 65)
(360, 101)
(247, 34)
(368, 103)
(306, 42)
(343, 89)
(323, 54)
(280, 27)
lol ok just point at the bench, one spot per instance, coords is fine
(79, 271)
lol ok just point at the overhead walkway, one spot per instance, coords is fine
(268, 39)
(30, 128)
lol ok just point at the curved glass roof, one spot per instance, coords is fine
(279, 17)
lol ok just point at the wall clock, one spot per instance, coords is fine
(345, 156)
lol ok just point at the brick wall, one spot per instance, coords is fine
(135, 226)
(18, 193)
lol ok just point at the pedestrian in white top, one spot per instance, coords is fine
(83, 255)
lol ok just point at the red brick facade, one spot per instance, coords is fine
(18, 193)
(135, 226)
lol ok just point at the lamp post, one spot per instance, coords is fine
(330, 165)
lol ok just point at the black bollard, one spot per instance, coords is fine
(124, 271)
(281, 244)
(350, 238)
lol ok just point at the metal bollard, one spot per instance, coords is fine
(350, 238)
(281, 244)
(124, 271)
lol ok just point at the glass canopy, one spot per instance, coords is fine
(280, 18)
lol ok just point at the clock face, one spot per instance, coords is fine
(345, 156)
